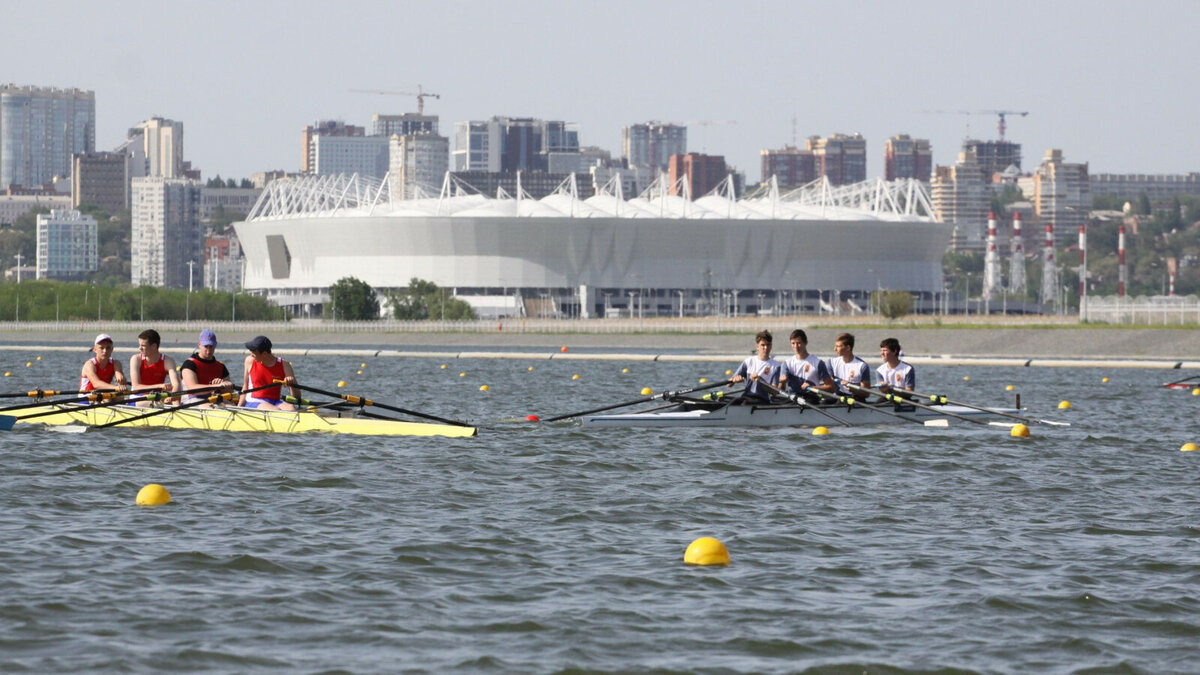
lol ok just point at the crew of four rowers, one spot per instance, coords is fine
(805, 374)
(201, 374)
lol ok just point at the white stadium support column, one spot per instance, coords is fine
(1049, 294)
(991, 261)
(1082, 271)
(1121, 261)
(1016, 264)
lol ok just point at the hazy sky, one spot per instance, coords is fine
(1115, 84)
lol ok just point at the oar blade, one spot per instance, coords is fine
(942, 423)
(7, 422)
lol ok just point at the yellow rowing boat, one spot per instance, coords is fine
(242, 419)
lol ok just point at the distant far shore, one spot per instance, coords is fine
(975, 336)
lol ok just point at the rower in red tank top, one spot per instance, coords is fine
(101, 373)
(261, 367)
(150, 368)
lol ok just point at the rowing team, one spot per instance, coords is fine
(151, 370)
(805, 374)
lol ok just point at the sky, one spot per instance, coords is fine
(1113, 84)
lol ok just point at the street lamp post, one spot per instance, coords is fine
(967, 295)
(187, 305)
(19, 256)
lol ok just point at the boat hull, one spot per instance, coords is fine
(242, 419)
(790, 416)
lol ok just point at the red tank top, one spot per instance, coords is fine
(104, 374)
(260, 375)
(207, 371)
(153, 373)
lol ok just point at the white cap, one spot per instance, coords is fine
(102, 337)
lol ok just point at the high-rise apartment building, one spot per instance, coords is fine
(322, 128)
(161, 142)
(40, 129)
(363, 155)
(403, 125)
(791, 166)
(418, 163)
(512, 143)
(994, 156)
(907, 157)
(166, 232)
(67, 245)
(653, 143)
(704, 172)
(841, 158)
(100, 179)
(1062, 195)
(1159, 188)
(960, 196)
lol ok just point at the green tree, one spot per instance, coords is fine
(892, 304)
(1141, 205)
(353, 300)
(424, 300)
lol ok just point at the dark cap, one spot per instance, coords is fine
(259, 344)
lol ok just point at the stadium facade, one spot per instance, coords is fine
(655, 254)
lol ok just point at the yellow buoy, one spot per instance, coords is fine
(443, 366)
(359, 373)
(1195, 392)
(706, 551)
(153, 495)
(1104, 380)
(8, 373)
(1189, 447)
(341, 383)
(1064, 405)
(1009, 388)
(966, 378)
(624, 370)
(483, 387)
(29, 364)
(703, 380)
(575, 377)
(39, 358)
(531, 369)
(362, 365)
(1019, 431)
(820, 431)
(729, 372)
(462, 374)
(647, 391)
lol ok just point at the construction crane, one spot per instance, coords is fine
(1001, 126)
(420, 93)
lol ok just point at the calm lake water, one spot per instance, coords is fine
(550, 548)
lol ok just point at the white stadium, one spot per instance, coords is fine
(816, 247)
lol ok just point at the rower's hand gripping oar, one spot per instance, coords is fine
(227, 396)
(900, 400)
(850, 402)
(938, 399)
(644, 399)
(101, 399)
(799, 401)
(359, 400)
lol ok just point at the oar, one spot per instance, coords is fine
(850, 402)
(227, 396)
(359, 400)
(942, 400)
(36, 393)
(102, 399)
(900, 400)
(1167, 384)
(644, 399)
(800, 402)
(77, 398)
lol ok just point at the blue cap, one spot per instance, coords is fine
(208, 338)
(259, 344)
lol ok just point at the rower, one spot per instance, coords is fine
(261, 367)
(150, 368)
(895, 376)
(846, 368)
(759, 366)
(203, 369)
(803, 371)
(101, 372)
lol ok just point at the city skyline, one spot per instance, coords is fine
(259, 73)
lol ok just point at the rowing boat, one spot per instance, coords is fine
(242, 419)
(690, 414)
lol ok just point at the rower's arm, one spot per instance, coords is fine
(172, 373)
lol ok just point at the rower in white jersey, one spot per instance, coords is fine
(895, 376)
(802, 371)
(758, 367)
(846, 368)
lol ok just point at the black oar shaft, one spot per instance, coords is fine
(993, 411)
(36, 393)
(900, 400)
(227, 396)
(644, 399)
(801, 403)
(359, 400)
